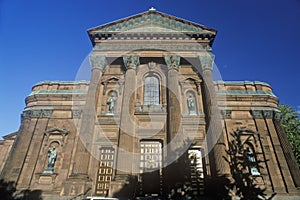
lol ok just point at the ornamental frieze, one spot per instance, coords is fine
(150, 46)
(43, 113)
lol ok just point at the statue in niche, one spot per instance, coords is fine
(52, 154)
(191, 105)
(252, 162)
(111, 102)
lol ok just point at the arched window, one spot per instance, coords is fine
(151, 91)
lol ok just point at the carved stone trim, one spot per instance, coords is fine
(184, 84)
(98, 61)
(151, 65)
(111, 80)
(76, 114)
(46, 179)
(42, 113)
(56, 131)
(268, 114)
(56, 135)
(172, 61)
(196, 47)
(150, 108)
(277, 115)
(131, 61)
(226, 114)
(257, 114)
(206, 61)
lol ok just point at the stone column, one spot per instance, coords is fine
(82, 155)
(174, 135)
(126, 162)
(215, 137)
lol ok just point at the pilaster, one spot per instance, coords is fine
(174, 136)
(287, 150)
(214, 131)
(16, 160)
(32, 156)
(82, 156)
(125, 162)
(273, 173)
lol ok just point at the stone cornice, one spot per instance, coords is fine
(153, 20)
(171, 46)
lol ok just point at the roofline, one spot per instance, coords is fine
(8, 136)
(242, 83)
(151, 11)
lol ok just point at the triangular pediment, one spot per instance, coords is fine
(56, 131)
(152, 21)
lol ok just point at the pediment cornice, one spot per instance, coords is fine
(152, 21)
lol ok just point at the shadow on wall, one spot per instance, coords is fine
(8, 192)
(245, 181)
(177, 181)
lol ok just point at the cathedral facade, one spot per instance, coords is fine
(151, 122)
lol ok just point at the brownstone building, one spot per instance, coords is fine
(151, 121)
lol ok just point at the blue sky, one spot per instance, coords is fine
(47, 40)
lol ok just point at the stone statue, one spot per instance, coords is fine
(191, 104)
(111, 102)
(52, 154)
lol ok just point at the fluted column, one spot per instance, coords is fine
(82, 155)
(174, 136)
(125, 161)
(215, 137)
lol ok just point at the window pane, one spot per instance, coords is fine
(151, 91)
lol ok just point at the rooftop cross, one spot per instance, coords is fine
(152, 9)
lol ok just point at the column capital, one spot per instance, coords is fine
(131, 61)
(172, 61)
(206, 61)
(98, 61)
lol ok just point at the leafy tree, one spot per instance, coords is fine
(291, 124)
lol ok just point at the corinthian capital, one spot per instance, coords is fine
(206, 61)
(131, 61)
(172, 61)
(98, 61)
